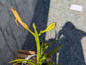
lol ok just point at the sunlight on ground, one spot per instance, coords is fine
(83, 41)
(52, 17)
(57, 57)
(56, 14)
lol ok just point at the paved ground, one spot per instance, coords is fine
(70, 29)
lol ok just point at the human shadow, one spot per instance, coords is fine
(40, 18)
(71, 53)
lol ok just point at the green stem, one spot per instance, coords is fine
(38, 48)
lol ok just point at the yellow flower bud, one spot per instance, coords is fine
(19, 19)
(50, 27)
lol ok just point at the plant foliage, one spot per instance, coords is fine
(41, 47)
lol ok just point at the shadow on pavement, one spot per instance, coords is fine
(72, 52)
(40, 18)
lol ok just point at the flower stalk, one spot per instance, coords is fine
(40, 48)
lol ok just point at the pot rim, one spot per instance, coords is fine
(29, 57)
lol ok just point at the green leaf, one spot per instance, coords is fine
(48, 44)
(16, 63)
(54, 51)
(49, 54)
(19, 60)
(29, 63)
(41, 49)
(43, 59)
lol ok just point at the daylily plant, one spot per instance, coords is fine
(40, 46)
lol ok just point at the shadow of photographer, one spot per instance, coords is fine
(71, 53)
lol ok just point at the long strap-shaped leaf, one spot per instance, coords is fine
(47, 45)
(20, 60)
(41, 49)
(54, 51)
(49, 54)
